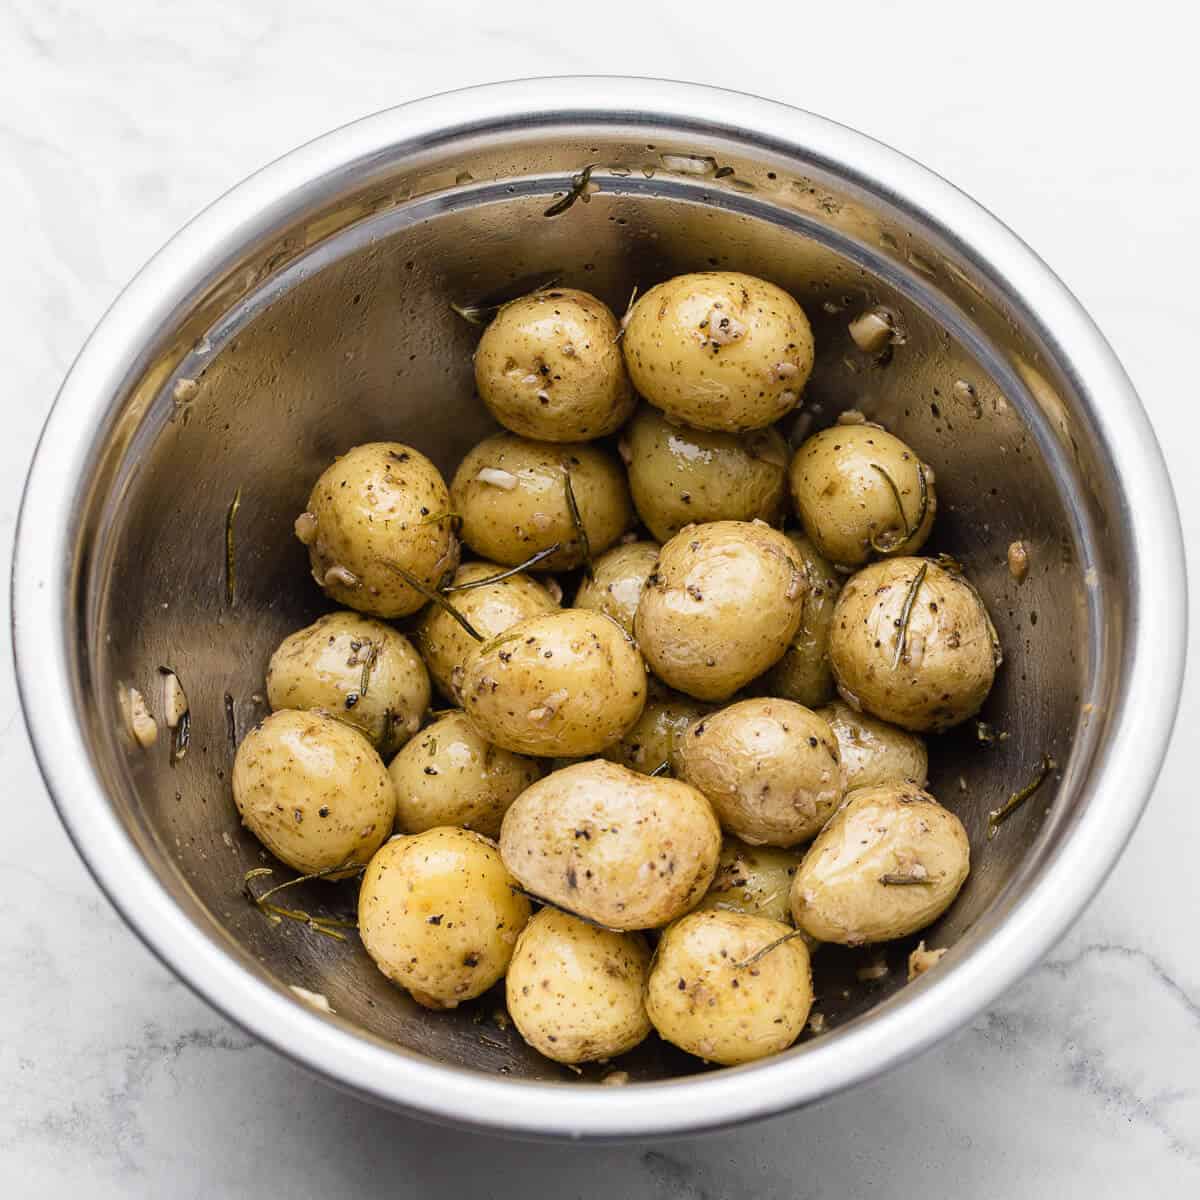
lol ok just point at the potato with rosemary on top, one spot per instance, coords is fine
(356, 669)
(439, 915)
(858, 491)
(314, 792)
(489, 604)
(549, 367)
(719, 350)
(730, 987)
(517, 497)
(913, 644)
(378, 529)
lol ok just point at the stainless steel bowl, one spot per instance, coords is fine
(309, 309)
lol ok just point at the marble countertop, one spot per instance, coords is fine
(118, 122)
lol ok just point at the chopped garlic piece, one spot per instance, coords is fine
(175, 701)
(495, 477)
(319, 1002)
(920, 960)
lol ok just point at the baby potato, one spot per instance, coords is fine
(490, 610)
(859, 490)
(721, 607)
(912, 643)
(769, 768)
(361, 671)
(680, 476)
(753, 879)
(313, 791)
(564, 684)
(618, 578)
(575, 991)
(549, 367)
(874, 752)
(618, 848)
(449, 775)
(719, 350)
(721, 990)
(513, 497)
(803, 673)
(381, 503)
(652, 739)
(890, 861)
(439, 915)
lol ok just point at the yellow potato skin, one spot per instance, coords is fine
(508, 524)
(439, 915)
(564, 684)
(839, 484)
(721, 607)
(314, 792)
(769, 768)
(450, 775)
(804, 673)
(574, 991)
(446, 645)
(873, 751)
(618, 580)
(883, 833)
(652, 739)
(950, 653)
(707, 998)
(680, 476)
(379, 503)
(549, 367)
(613, 846)
(324, 665)
(719, 350)
(753, 879)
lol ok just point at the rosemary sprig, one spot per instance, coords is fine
(908, 529)
(230, 723)
(896, 880)
(999, 815)
(520, 891)
(787, 937)
(577, 520)
(663, 768)
(230, 548)
(482, 312)
(531, 561)
(328, 926)
(432, 594)
(579, 191)
(434, 518)
(181, 737)
(906, 613)
(368, 665)
(624, 322)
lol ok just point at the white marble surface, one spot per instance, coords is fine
(118, 121)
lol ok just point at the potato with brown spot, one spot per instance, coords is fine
(380, 506)
(725, 988)
(449, 774)
(613, 846)
(804, 673)
(651, 740)
(719, 350)
(574, 991)
(680, 476)
(769, 768)
(439, 915)
(722, 606)
(549, 367)
(511, 494)
(753, 879)
(617, 582)
(912, 644)
(890, 862)
(314, 792)
(859, 491)
(564, 684)
(356, 669)
(490, 610)
(873, 751)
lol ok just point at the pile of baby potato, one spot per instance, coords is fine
(713, 750)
